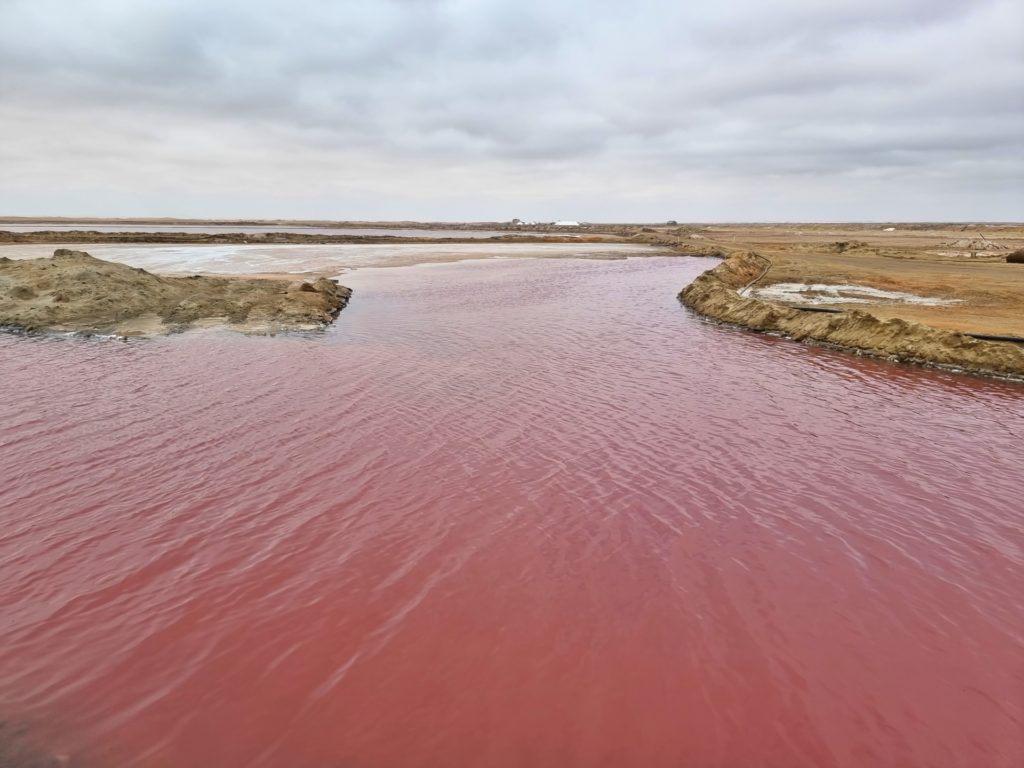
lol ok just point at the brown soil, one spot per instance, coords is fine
(716, 294)
(72, 291)
(942, 262)
(963, 264)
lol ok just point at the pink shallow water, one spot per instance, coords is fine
(504, 514)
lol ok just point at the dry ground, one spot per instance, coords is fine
(940, 261)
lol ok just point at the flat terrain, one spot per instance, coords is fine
(966, 264)
(960, 266)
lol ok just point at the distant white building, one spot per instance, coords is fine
(567, 223)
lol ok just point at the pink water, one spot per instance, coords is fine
(215, 229)
(514, 513)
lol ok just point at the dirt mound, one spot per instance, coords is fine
(72, 291)
(715, 294)
(1017, 257)
(973, 245)
(842, 246)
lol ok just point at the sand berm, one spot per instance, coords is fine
(75, 292)
(716, 294)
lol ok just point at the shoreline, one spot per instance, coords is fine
(716, 294)
(940, 295)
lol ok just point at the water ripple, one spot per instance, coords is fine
(506, 513)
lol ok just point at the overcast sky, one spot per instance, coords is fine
(600, 110)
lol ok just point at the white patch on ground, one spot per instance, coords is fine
(332, 259)
(819, 293)
(956, 254)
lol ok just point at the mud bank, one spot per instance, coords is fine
(75, 292)
(716, 294)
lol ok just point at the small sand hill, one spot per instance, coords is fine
(72, 291)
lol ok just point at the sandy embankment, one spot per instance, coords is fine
(717, 294)
(74, 292)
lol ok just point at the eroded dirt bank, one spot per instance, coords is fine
(716, 293)
(73, 291)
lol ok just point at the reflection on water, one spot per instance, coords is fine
(509, 513)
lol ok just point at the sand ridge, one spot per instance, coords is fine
(72, 291)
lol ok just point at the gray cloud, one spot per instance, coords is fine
(489, 109)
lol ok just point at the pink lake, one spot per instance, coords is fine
(508, 513)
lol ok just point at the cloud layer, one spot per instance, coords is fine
(489, 109)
